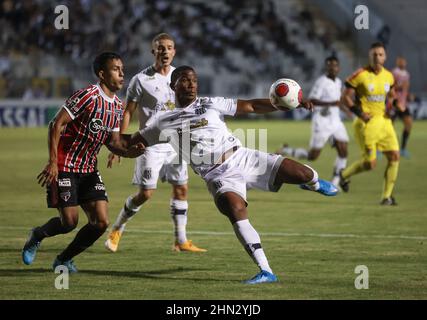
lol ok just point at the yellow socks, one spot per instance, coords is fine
(390, 177)
(354, 168)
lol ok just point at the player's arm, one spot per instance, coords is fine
(123, 145)
(127, 116)
(320, 103)
(261, 106)
(348, 101)
(56, 126)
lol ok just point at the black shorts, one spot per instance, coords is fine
(73, 189)
(402, 114)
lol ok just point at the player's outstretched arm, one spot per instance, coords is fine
(127, 116)
(124, 145)
(56, 126)
(263, 106)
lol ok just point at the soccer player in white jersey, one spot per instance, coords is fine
(326, 123)
(197, 131)
(149, 92)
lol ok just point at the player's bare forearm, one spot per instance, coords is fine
(320, 103)
(259, 106)
(123, 145)
(127, 116)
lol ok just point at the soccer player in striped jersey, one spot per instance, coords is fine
(402, 83)
(89, 119)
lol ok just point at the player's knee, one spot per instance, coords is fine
(69, 224)
(101, 225)
(142, 196)
(180, 192)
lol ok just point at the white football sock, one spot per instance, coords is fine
(251, 241)
(179, 210)
(126, 213)
(340, 164)
(300, 153)
(313, 184)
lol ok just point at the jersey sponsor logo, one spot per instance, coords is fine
(65, 182)
(96, 125)
(65, 195)
(99, 186)
(376, 98)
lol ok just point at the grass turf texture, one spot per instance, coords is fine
(313, 243)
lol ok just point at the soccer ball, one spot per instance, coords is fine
(285, 94)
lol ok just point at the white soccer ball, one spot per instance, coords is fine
(285, 94)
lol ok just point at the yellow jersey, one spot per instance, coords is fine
(371, 89)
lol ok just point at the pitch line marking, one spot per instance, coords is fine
(272, 234)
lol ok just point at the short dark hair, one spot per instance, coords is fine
(178, 72)
(332, 58)
(161, 36)
(377, 44)
(101, 60)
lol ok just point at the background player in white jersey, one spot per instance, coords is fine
(326, 123)
(149, 92)
(197, 131)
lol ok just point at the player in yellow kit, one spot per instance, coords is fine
(372, 86)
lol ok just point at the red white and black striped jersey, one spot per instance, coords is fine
(95, 116)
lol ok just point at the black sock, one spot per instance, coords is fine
(50, 229)
(405, 136)
(83, 240)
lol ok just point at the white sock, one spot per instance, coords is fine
(126, 213)
(313, 184)
(179, 210)
(340, 164)
(251, 241)
(300, 153)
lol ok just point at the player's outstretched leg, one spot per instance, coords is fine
(51, 228)
(293, 172)
(233, 206)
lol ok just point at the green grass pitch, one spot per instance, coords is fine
(313, 243)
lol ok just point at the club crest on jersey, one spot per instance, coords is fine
(387, 87)
(371, 87)
(170, 105)
(65, 195)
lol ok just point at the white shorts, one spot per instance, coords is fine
(245, 169)
(326, 128)
(154, 164)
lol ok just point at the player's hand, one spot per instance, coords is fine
(111, 159)
(365, 117)
(48, 175)
(306, 104)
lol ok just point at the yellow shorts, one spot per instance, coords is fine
(378, 133)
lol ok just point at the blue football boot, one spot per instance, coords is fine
(262, 277)
(325, 187)
(30, 248)
(69, 264)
